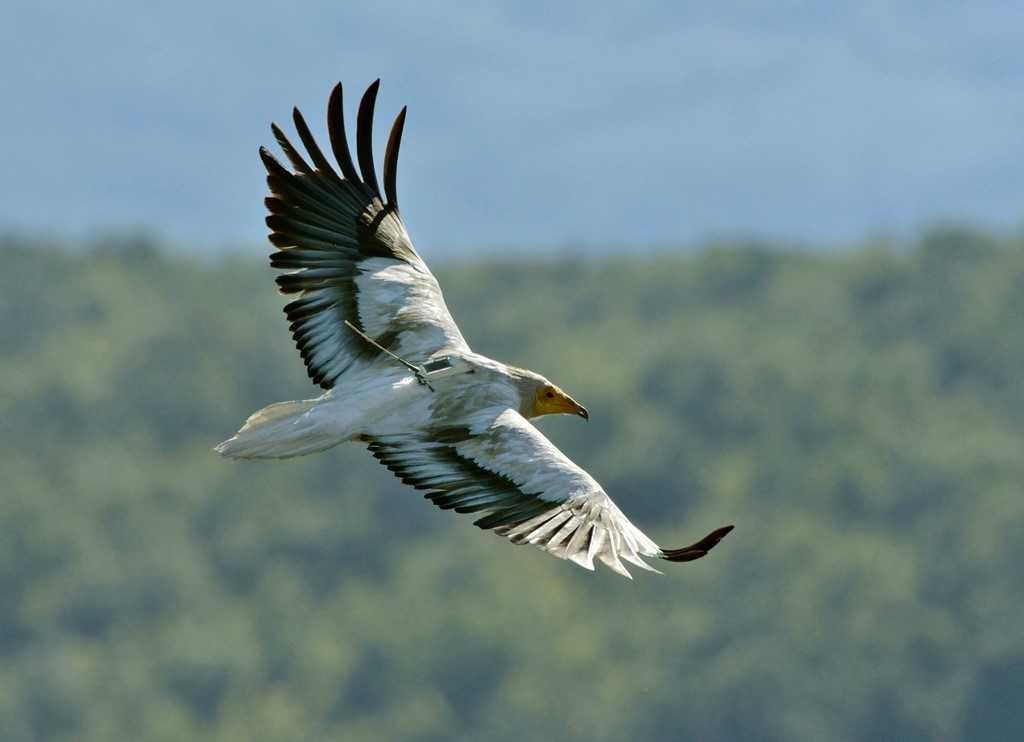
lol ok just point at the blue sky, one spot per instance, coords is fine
(587, 125)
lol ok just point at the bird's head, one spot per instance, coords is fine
(541, 397)
(550, 400)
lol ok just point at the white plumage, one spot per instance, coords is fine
(461, 433)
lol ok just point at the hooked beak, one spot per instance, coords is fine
(559, 403)
(572, 407)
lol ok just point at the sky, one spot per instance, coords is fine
(531, 124)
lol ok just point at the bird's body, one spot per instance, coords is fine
(373, 329)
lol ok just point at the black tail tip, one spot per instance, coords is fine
(697, 550)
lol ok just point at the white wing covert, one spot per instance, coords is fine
(526, 489)
(350, 255)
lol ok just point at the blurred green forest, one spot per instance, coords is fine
(858, 414)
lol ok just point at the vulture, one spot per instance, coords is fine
(398, 377)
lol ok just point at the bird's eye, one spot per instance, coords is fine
(549, 394)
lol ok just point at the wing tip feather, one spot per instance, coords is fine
(391, 158)
(336, 133)
(696, 550)
(364, 136)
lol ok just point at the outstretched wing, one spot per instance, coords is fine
(347, 251)
(526, 489)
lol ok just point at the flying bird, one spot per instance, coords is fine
(371, 325)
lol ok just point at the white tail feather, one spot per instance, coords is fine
(280, 431)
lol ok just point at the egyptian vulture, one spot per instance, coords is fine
(371, 325)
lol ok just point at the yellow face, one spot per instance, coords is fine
(551, 400)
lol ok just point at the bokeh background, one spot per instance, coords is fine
(775, 248)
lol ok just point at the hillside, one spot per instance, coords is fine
(859, 415)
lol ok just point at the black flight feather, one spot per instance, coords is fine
(310, 144)
(697, 550)
(336, 132)
(364, 136)
(290, 152)
(391, 159)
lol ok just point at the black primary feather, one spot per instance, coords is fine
(391, 159)
(310, 144)
(336, 132)
(697, 550)
(290, 152)
(364, 137)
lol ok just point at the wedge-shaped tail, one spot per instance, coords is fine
(280, 431)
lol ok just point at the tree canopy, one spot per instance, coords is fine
(858, 414)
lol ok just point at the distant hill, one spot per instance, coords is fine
(858, 415)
